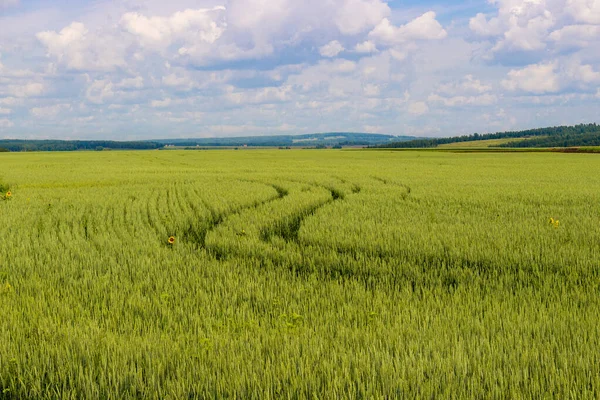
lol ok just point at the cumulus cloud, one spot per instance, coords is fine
(484, 27)
(131, 83)
(10, 101)
(537, 78)
(583, 73)
(211, 70)
(468, 91)
(245, 29)
(322, 75)
(189, 26)
(355, 16)
(99, 91)
(575, 35)
(31, 89)
(585, 11)
(533, 25)
(366, 47)
(266, 95)
(49, 111)
(425, 27)
(461, 101)
(467, 85)
(181, 80)
(331, 49)
(418, 108)
(78, 49)
(160, 103)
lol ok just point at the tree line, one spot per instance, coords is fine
(556, 136)
(74, 145)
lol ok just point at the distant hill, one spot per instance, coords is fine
(310, 140)
(558, 136)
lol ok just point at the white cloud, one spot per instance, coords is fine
(536, 78)
(331, 49)
(131, 83)
(576, 35)
(372, 90)
(160, 66)
(321, 75)
(530, 25)
(484, 27)
(585, 11)
(425, 27)
(99, 91)
(468, 85)
(377, 68)
(189, 26)
(261, 18)
(178, 80)
(160, 103)
(356, 16)
(418, 108)
(373, 128)
(50, 111)
(14, 73)
(468, 91)
(32, 89)
(366, 47)
(265, 21)
(76, 48)
(257, 28)
(10, 101)
(268, 95)
(584, 73)
(528, 36)
(6, 123)
(460, 101)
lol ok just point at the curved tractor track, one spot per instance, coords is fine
(270, 231)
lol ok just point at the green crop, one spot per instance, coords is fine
(299, 274)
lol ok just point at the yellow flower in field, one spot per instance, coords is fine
(172, 240)
(8, 195)
(554, 222)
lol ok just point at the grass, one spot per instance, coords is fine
(351, 274)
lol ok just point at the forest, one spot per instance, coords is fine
(557, 136)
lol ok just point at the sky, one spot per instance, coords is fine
(133, 69)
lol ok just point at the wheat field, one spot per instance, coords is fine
(299, 274)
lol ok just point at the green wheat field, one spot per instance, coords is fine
(299, 274)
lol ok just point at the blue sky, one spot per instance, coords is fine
(153, 69)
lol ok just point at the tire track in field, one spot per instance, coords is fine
(441, 265)
(303, 260)
(217, 218)
(407, 188)
(289, 228)
(264, 245)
